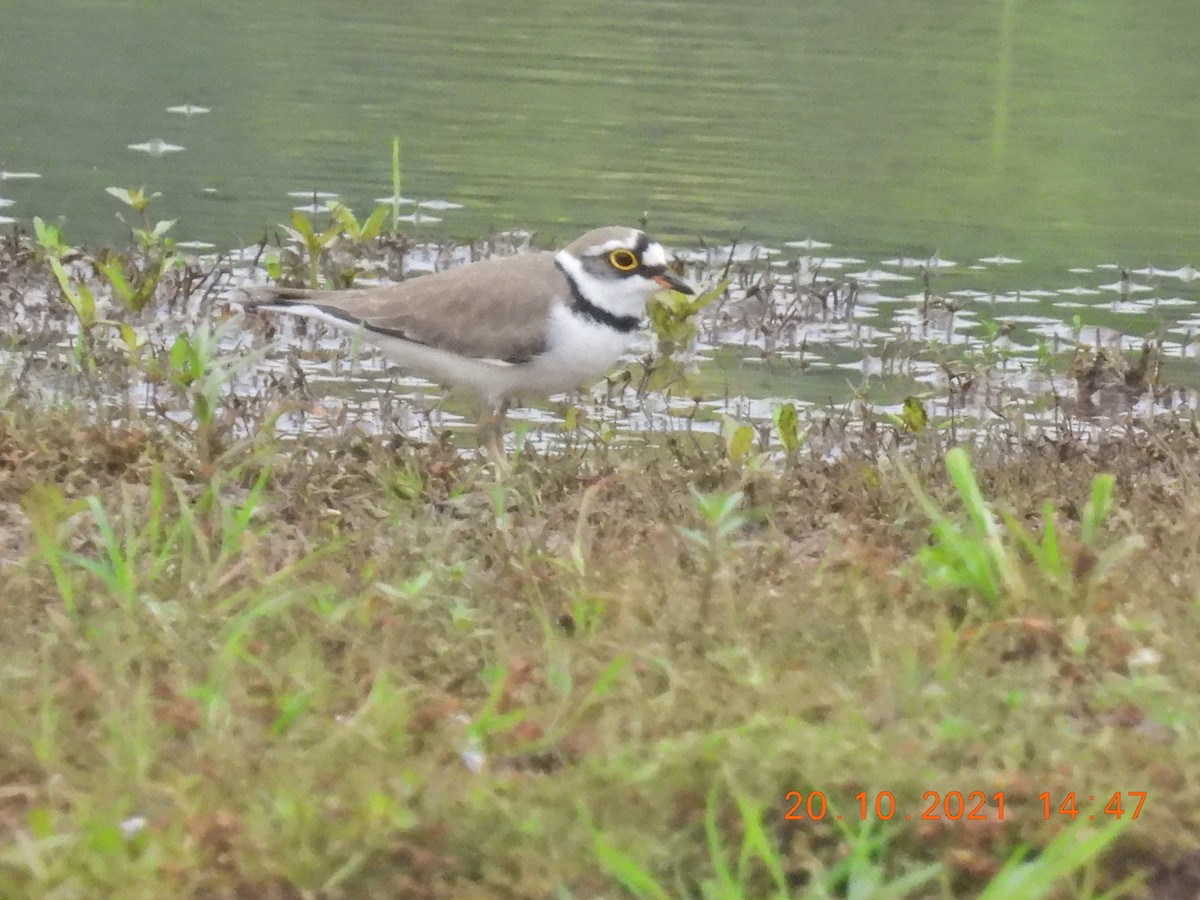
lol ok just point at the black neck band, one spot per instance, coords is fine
(586, 307)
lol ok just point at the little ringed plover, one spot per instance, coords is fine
(537, 323)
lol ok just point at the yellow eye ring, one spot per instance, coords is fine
(623, 260)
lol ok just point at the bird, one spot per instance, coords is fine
(537, 323)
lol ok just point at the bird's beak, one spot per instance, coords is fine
(671, 283)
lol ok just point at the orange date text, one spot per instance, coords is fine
(954, 806)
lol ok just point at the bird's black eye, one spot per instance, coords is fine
(623, 260)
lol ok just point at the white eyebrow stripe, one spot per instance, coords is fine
(617, 243)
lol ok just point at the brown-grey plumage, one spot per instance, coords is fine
(449, 311)
(539, 323)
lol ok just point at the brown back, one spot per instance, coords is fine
(495, 308)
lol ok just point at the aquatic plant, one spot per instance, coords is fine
(134, 277)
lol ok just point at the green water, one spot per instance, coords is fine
(1061, 133)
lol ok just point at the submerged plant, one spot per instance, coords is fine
(673, 318)
(738, 438)
(201, 375)
(53, 250)
(787, 426)
(135, 277)
(913, 416)
(359, 232)
(312, 243)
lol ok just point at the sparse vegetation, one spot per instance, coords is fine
(243, 662)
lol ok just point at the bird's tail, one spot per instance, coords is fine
(274, 296)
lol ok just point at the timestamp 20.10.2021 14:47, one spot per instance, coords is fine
(955, 806)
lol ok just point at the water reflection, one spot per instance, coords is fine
(890, 130)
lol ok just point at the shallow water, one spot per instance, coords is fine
(841, 338)
(1061, 134)
(829, 333)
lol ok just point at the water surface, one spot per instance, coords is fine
(1062, 134)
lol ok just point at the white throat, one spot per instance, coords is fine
(618, 296)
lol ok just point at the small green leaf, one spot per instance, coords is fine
(49, 237)
(1096, 510)
(86, 306)
(60, 274)
(373, 227)
(304, 227)
(129, 337)
(665, 374)
(739, 439)
(181, 359)
(330, 235)
(787, 424)
(114, 271)
(342, 217)
(290, 709)
(41, 823)
(913, 417)
(637, 880)
(697, 303)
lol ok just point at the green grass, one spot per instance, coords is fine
(237, 665)
(353, 672)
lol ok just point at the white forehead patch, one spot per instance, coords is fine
(655, 255)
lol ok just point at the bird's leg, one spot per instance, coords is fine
(491, 430)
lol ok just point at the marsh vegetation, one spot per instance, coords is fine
(266, 635)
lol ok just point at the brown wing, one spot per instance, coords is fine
(494, 309)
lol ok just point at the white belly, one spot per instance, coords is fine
(579, 351)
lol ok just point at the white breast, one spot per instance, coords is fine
(580, 351)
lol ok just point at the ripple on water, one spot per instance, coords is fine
(879, 276)
(1185, 273)
(1126, 287)
(1155, 302)
(156, 147)
(419, 219)
(1028, 319)
(1095, 335)
(912, 262)
(1125, 307)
